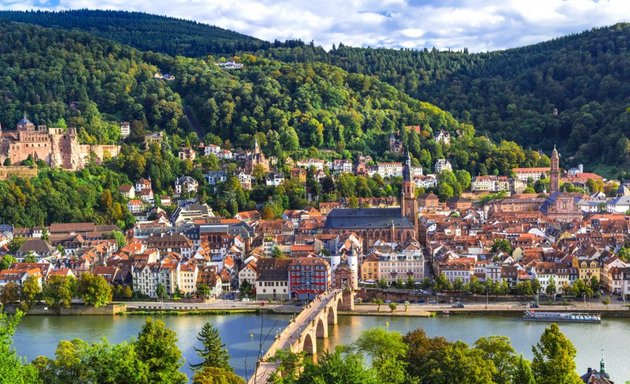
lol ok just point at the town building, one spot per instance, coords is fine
(442, 137)
(185, 185)
(442, 165)
(490, 184)
(125, 129)
(308, 277)
(256, 159)
(533, 174)
(272, 282)
(187, 153)
(154, 138)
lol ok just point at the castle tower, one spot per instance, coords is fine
(409, 203)
(25, 124)
(554, 182)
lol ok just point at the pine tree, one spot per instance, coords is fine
(523, 372)
(213, 353)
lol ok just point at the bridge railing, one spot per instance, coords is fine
(284, 340)
(299, 323)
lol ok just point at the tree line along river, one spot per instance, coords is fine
(39, 335)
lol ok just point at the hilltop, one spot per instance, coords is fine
(144, 31)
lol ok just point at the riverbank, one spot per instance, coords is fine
(190, 312)
(414, 310)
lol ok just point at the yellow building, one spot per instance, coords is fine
(587, 267)
(369, 269)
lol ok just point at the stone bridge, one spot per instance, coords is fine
(303, 331)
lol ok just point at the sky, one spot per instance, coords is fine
(479, 25)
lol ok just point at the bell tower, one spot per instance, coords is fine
(408, 202)
(554, 181)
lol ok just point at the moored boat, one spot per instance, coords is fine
(569, 317)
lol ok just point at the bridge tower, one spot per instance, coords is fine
(347, 299)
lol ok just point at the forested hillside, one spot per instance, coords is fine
(146, 32)
(70, 78)
(572, 91)
(92, 83)
(88, 82)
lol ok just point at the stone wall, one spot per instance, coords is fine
(19, 171)
(74, 310)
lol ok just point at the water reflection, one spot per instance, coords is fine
(244, 333)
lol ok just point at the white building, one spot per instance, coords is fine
(442, 165)
(618, 204)
(187, 278)
(245, 180)
(216, 177)
(342, 166)
(462, 268)
(490, 184)
(248, 273)
(186, 184)
(211, 149)
(389, 169)
(274, 179)
(317, 164)
(534, 174)
(125, 129)
(442, 137)
(399, 263)
(148, 276)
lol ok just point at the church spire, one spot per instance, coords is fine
(554, 182)
(407, 168)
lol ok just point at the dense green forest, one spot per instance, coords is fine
(91, 83)
(571, 91)
(81, 81)
(146, 32)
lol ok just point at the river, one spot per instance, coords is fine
(39, 335)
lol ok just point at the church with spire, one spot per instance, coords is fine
(392, 225)
(560, 206)
(256, 158)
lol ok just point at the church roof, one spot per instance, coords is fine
(366, 218)
(24, 121)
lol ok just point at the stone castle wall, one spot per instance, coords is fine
(18, 170)
(57, 147)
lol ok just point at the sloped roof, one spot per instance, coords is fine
(364, 218)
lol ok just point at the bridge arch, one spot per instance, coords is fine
(338, 302)
(331, 315)
(321, 327)
(308, 344)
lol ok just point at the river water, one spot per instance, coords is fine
(241, 333)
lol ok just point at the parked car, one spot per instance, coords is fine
(432, 302)
(422, 301)
(458, 305)
(387, 301)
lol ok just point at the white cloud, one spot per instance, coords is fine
(479, 25)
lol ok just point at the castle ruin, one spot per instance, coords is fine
(57, 147)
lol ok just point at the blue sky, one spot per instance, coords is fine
(448, 24)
